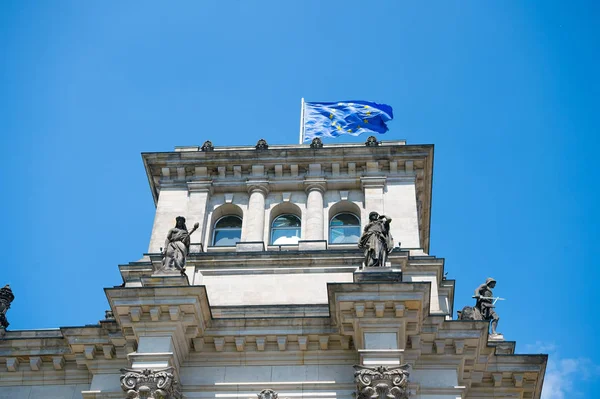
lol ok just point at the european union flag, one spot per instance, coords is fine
(348, 117)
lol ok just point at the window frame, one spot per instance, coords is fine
(329, 242)
(273, 229)
(215, 229)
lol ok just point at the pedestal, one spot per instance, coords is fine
(495, 337)
(166, 280)
(377, 274)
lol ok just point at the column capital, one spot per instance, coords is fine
(258, 186)
(318, 184)
(150, 383)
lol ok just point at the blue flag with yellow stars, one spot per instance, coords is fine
(348, 117)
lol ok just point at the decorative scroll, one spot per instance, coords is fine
(381, 382)
(150, 384)
(267, 394)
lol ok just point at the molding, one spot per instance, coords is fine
(382, 382)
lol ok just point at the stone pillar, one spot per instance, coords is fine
(401, 205)
(199, 195)
(253, 228)
(315, 219)
(172, 202)
(373, 190)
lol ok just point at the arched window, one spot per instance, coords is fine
(227, 231)
(344, 228)
(285, 230)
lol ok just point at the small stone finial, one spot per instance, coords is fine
(262, 145)
(207, 146)
(143, 384)
(372, 142)
(316, 143)
(6, 298)
(267, 394)
(381, 382)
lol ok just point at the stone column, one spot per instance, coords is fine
(254, 222)
(315, 219)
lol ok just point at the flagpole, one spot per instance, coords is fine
(302, 121)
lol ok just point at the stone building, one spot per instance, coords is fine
(274, 300)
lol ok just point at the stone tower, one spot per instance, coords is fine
(269, 298)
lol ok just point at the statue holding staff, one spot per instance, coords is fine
(177, 246)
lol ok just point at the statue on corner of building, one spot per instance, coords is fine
(177, 246)
(6, 298)
(484, 305)
(376, 240)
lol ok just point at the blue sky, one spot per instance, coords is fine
(506, 90)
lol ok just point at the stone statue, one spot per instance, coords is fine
(177, 246)
(382, 382)
(6, 298)
(376, 240)
(484, 305)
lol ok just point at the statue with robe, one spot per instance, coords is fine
(376, 240)
(177, 246)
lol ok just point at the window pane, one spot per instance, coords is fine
(345, 219)
(344, 235)
(287, 221)
(285, 236)
(229, 221)
(227, 238)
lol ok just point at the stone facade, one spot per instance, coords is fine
(257, 317)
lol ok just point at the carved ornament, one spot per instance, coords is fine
(372, 142)
(150, 384)
(267, 394)
(207, 146)
(381, 382)
(316, 143)
(262, 145)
